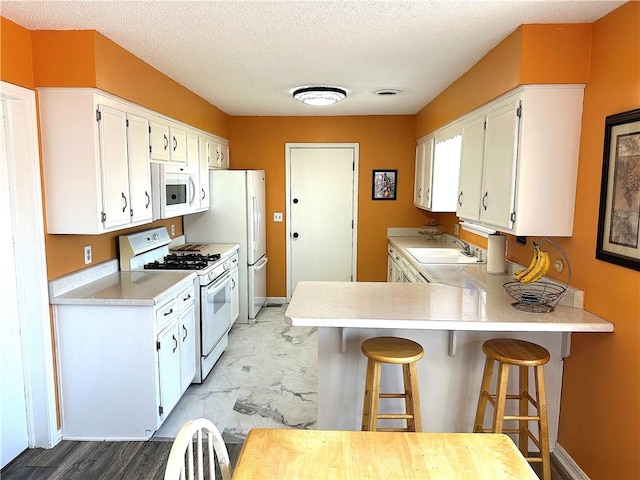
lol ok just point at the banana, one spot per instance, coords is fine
(519, 275)
(539, 270)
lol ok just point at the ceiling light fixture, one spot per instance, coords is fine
(319, 95)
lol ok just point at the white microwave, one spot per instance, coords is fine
(173, 190)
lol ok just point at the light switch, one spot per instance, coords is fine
(277, 217)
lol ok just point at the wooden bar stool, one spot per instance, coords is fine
(508, 351)
(396, 351)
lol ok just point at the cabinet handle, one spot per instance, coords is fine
(427, 195)
(166, 142)
(125, 203)
(175, 344)
(185, 333)
(175, 144)
(148, 199)
(460, 198)
(203, 194)
(233, 284)
(419, 193)
(484, 200)
(187, 298)
(168, 313)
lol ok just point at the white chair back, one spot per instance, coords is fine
(181, 466)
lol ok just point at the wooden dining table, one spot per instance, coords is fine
(323, 454)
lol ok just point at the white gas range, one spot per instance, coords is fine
(151, 250)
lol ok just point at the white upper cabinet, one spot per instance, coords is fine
(95, 162)
(424, 161)
(204, 159)
(437, 169)
(469, 185)
(167, 142)
(139, 172)
(159, 141)
(520, 161)
(96, 154)
(112, 127)
(219, 154)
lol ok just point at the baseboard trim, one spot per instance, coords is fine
(568, 463)
(272, 301)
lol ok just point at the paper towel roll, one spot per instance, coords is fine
(496, 246)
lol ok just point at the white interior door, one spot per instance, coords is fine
(13, 409)
(321, 213)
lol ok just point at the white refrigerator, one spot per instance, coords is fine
(237, 215)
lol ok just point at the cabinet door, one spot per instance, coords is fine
(112, 126)
(427, 174)
(220, 155)
(418, 188)
(187, 332)
(159, 141)
(235, 294)
(226, 160)
(203, 173)
(390, 269)
(193, 152)
(470, 183)
(501, 150)
(423, 180)
(445, 170)
(178, 145)
(139, 171)
(168, 345)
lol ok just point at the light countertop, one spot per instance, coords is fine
(126, 288)
(426, 307)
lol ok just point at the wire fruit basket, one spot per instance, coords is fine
(538, 297)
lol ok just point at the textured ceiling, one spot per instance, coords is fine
(245, 57)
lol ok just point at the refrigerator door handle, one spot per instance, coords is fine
(256, 223)
(260, 266)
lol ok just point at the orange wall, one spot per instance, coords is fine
(600, 410)
(88, 59)
(385, 142)
(600, 420)
(16, 65)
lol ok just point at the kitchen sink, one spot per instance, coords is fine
(440, 255)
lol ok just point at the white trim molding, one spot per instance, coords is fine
(25, 190)
(568, 463)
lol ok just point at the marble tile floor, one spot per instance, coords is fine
(267, 377)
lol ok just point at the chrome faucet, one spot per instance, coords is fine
(466, 249)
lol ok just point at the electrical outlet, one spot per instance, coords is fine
(173, 230)
(87, 254)
(277, 217)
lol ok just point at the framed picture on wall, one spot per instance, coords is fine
(619, 217)
(384, 184)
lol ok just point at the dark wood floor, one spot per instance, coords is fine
(97, 461)
(119, 461)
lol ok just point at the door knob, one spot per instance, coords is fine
(295, 200)
(295, 235)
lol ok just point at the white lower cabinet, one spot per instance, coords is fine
(123, 368)
(187, 349)
(400, 270)
(168, 347)
(235, 291)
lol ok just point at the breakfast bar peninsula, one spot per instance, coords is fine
(450, 323)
